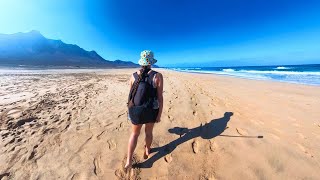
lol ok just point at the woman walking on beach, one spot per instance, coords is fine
(145, 103)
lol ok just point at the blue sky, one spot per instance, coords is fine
(226, 32)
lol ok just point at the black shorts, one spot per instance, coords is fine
(142, 115)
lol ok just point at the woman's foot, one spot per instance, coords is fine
(127, 167)
(146, 152)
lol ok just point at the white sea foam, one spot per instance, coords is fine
(195, 68)
(281, 72)
(311, 78)
(228, 70)
(281, 67)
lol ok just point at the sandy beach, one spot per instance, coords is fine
(73, 125)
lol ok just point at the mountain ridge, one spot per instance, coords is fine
(33, 49)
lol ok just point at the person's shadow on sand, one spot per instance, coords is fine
(207, 131)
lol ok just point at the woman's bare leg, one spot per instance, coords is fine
(149, 137)
(132, 143)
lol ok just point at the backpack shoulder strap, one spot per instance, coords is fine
(133, 91)
(135, 76)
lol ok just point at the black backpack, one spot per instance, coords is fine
(142, 98)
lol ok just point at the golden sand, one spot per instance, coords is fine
(74, 126)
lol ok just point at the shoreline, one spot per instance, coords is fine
(99, 70)
(248, 78)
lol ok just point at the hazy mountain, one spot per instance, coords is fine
(33, 49)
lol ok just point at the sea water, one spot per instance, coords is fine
(302, 74)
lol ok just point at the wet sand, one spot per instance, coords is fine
(73, 125)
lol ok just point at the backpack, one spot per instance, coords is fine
(142, 101)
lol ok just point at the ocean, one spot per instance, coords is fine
(301, 74)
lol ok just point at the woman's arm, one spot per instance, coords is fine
(159, 82)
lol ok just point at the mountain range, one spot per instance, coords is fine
(33, 49)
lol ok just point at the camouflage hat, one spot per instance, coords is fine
(146, 58)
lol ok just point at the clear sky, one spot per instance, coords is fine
(240, 32)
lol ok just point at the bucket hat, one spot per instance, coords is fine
(147, 58)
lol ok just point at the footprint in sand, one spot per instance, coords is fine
(275, 136)
(97, 167)
(305, 150)
(213, 145)
(195, 148)
(168, 158)
(112, 144)
(241, 131)
(132, 173)
(207, 177)
(302, 148)
(194, 112)
(14, 112)
(301, 135)
(211, 105)
(10, 142)
(33, 153)
(81, 175)
(57, 140)
(276, 163)
(120, 127)
(277, 130)
(121, 114)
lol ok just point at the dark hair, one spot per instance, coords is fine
(145, 68)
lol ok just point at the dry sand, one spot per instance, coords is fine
(73, 125)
